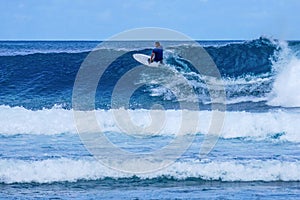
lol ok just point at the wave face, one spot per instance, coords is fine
(252, 71)
(247, 58)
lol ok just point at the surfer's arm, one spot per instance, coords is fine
(152, 57)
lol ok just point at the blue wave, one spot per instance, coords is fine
(251, 57)
(41, 80)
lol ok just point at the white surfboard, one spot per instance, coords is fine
(142, 58)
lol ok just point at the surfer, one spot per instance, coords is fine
(157, 54)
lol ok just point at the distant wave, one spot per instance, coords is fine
(15, 48)
(69, 170)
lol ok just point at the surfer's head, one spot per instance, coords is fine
(157, 44)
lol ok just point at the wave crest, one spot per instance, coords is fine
(68, 170)
(257, 126)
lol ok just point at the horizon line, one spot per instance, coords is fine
(103, 40)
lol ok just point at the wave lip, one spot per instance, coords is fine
(62, 170)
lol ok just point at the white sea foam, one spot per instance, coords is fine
(18, 120)
(63, 169)
(285, 91)
(286, 88)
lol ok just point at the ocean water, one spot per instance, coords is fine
(256, 155)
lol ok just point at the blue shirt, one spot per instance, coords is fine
(158, 52)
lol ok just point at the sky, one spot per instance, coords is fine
(101, 19)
